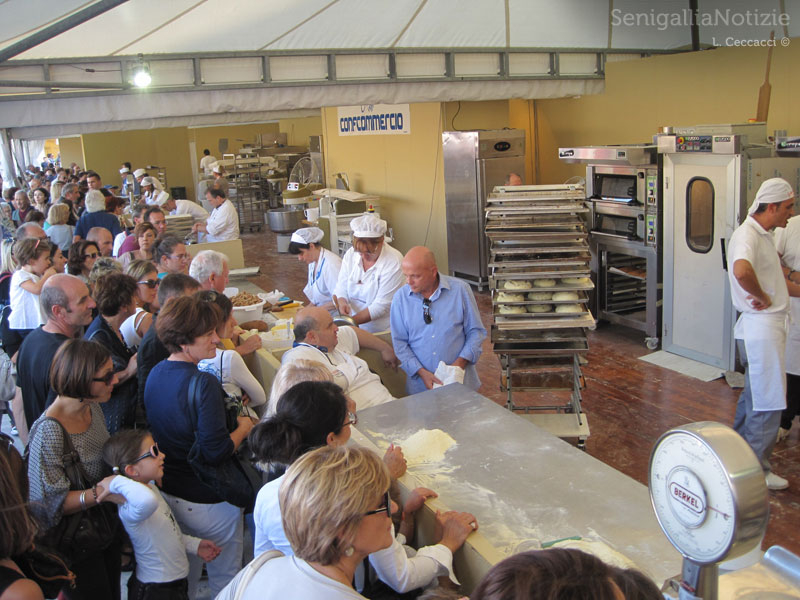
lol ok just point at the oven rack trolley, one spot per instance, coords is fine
(540, 280)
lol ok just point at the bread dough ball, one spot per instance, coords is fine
(540, 295)
(517, 284)
(569, 308)
(539, 308)
(512, 310)
(562, 296)
(577, 280)
(544, 283)
(509, 297)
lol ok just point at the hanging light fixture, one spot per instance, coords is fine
(141, 74)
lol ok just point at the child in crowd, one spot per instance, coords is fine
(158, 543)
(33, 256)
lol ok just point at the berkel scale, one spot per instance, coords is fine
(709, 494)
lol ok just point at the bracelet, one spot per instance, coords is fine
(83, 500)
(94, 493)
(789, 276)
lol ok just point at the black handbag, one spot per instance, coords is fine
(83, 533)
(235, 480)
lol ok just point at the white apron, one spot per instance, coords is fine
(315, 289)
(764, 338)
(793, 339)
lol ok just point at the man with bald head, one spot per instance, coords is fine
(103, 240)
(67, 305)
(434, 318)
(318, 339)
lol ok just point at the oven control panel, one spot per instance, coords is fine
(697, 144)
(651, 183)
(693, 143)
(651, 230)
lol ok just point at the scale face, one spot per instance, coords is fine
(708, 492)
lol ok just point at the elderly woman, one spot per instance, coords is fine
(323, 266)
(82, 376)
(228, 365)
(146, 298)
(187, 327)
(290, 375)
(96, 215)
(81, 259)
(56, 226)
(114, 295)
(146, 237)
(370, 275)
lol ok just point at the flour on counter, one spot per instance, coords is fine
(426, 446)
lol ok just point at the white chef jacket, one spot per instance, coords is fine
(187, 207)
(373, 288)
(206, 163)
(787, 243)
(223, 223)
(322, 277)
(350, 372)
(764, 331)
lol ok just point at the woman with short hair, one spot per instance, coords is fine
(146, 237)
(56, 226)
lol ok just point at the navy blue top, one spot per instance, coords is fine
(166, 402)
(97, 219)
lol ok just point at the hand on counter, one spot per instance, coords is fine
(456, 527)
(249, 345)
(428, 378)
(395, 461)
(416, 499)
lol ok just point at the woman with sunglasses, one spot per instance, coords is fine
(146, 298)
(370, 275)
(82, 376)
(81, 259)
(159, 546)
(187, 327)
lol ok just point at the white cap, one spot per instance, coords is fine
(124, 170)
(161, 199)
(148, 181)
(307, 235)
(772, 191)
(217, 169)
(139, 172)
(368, 226)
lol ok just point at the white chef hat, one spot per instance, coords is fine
(161, 199)
(307, 235)
(139, 172)
(772, 191)
(368, 226)
(148, 181)
(124, 170)
(217, 169)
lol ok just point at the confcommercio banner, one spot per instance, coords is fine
(375, 119)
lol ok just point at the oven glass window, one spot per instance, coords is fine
(700, 215)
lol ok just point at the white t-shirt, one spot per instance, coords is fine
(236, 377)
(322, 277)
(187, 207)
(118, 239)
(787, 243)
(128, 328)
(223, 223)
(373, 288)
(350, 372)
(25, 310)
(158, 543)
(206, 163)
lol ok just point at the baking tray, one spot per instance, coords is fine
(531, 315)
(578, 259)
(533, 273)
(528, 321)
(512, 249)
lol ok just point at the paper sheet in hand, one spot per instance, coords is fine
(448, 374)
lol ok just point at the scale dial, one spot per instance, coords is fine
(708, 492)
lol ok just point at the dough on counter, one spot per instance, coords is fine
(539, 308)
(426, 446)
(510, 297)
(517, 284)
(569, 308)
(576, 280)
(562, 296)
(540, 295)
(512, 310)
(544, 283)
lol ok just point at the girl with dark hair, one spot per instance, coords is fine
(159, 546)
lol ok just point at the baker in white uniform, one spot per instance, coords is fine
(223, 222)
(759, 291)
(318, 339)
(181, 207)
(323, 266)
(370, 275)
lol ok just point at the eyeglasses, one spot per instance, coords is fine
(105, 378)
(426, 311)
(352, 418)
(154, 452)
(151, 283)
(386, 506)
(179, 256)
(92, 255)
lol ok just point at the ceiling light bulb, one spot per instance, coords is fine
(142, 77)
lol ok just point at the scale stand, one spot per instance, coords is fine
(709, 494)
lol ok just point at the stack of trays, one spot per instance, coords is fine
(179, 225)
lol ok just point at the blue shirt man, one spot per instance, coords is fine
(434, 318)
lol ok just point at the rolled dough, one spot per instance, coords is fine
(426, 446)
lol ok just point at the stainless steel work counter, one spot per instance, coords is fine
(523, 484)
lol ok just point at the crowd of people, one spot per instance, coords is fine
(132, 396)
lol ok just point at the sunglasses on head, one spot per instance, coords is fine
(151, 283)
(386, 506)
(105, 378)
(154, 452)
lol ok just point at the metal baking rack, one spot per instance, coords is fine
(538, 246)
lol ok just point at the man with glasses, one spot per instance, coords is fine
(67, 305)
(434, 319)
(318, 339)
(223, 222)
